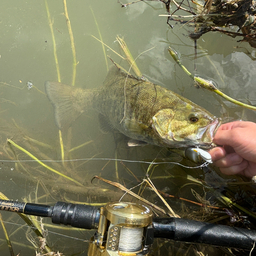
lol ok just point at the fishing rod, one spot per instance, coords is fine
(130, 229)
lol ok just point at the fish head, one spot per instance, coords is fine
(189, 125)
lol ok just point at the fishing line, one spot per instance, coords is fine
(51, 232)
(106, 159)
(130, 239)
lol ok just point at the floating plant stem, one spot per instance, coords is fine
(72, 41)
(41, 163)
(53, 41)
(207, 84)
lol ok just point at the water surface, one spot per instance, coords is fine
(26, 56)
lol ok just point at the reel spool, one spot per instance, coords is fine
(124, 229)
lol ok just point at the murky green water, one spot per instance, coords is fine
(26, 56)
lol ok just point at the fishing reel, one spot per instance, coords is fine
(128, 229)
(124, 229)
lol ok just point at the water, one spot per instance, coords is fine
(27, 58)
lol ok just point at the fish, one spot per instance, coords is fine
(139, 109)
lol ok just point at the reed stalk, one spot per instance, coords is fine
(53, 41)
(72, 41)
(41, 163)
(103, 48)
(7, 237)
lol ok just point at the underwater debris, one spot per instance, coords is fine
(231, 17)
(30, 85)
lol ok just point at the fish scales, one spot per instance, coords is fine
(137, 108)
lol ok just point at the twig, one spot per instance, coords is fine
(118, 185)
(150, 183)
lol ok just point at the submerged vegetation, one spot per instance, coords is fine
(173, 186)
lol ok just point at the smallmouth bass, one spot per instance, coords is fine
(139, 109)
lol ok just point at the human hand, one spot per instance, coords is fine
(238, 152)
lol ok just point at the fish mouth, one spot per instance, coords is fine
(209, 131)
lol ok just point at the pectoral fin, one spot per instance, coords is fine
(134, 126)
(105, 126)
(136, 143)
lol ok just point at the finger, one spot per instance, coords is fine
(223, 137)
(250, 170)
(230, 125)
(235, 169)
(232, 133)
(217, 153)
(228, 160)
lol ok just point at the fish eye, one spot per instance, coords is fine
(193, 119)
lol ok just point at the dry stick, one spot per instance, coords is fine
(118, 185)
(182, 8)
(190, 201)
(71, 41)
(41, 163)
(150, 183)
(207, 84)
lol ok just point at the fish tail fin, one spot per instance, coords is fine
(69, 102)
